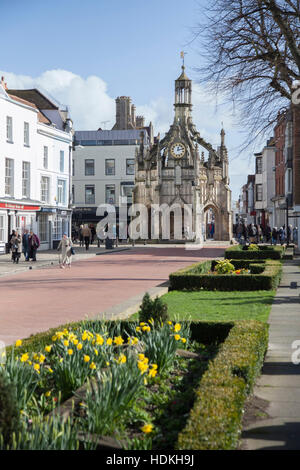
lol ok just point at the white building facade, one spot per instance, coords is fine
(265, 185)
(35, 163)
(103, 170)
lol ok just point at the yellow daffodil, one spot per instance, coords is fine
(75, 342)
(142, 324)
(107, 363)
(92, 365)
(152, 372)
(54, 338)
(99, 340)
(118, 340)
(122, 359)
(66, 343)
(146, 328)
(141, 357)
(48, 348)
(79, 346)
(18, 343)
(147, 428)
(24, 357)
(143, 367)
(96, 351)
(183, 340)
(86, 358)
(84, 336)
(177, 337)
(36, 367)
(109, 341)
(169, 323)
(70, 352)
(47, 394)
(138, 329)
(177, 327)
(42, 358)
(50, 370)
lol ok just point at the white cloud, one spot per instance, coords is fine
(90, 105)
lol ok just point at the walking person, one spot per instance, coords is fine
(274, 236)
(268, 233)
(65, 248)
(16, 243)
(81, 241)
(87, 235)
(34, 244)
(25, 244)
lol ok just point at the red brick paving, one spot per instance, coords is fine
(40, 299)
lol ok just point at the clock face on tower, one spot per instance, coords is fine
(177, 150)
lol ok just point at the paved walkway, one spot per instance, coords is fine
(280, 380)
(38, 299)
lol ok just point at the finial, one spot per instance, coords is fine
(182, 55)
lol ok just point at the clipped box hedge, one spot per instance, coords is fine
(215, 420)
(264, 276)
(264, 252)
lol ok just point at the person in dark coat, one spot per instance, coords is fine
(34, 244)
(25, 244)
(268, 233)
(16, 243)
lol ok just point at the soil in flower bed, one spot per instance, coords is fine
(165, 402)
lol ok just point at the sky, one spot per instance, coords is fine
(86, 53)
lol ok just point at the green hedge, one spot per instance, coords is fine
(265, 252)
(215, 419)
(265, 277)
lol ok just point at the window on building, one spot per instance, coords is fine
(73, 193)
(2, 228)
(9, 177)
(45, 185)
(110, 167)
(25, 179)
(61, 192)
(45, 158)
(43, 228)
(9, 129)
(62, 161)
(110, 192)
(89, 168)
(126, 191)
(259, 192)
(73, 168)
(26, 134)
(258, 165)
(57, 228)
(90, 194)
(130, 166)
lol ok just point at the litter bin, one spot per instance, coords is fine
(109, 243)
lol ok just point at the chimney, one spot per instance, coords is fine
(3, 83)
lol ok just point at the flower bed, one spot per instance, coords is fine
(263, 252)
(137, 390)
(263, 276)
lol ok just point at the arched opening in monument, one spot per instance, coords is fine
(210, 223)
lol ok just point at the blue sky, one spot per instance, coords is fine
(88, 52)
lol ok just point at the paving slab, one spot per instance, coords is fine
(279, 383)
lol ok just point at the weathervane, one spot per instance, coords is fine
(182, 55)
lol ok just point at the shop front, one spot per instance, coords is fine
(16, 216)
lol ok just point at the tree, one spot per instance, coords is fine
(251, 55)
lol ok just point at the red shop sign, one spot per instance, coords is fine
(19, 207)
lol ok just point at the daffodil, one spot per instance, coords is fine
(147, 428)
(47, 394)
(36, 367)
(24, 357)
(79, 346)
(18, 343)
(92, 365)
(70, 352)
(118, 340)
(177, 327)
(86, 358)
(138, 329)
(42, 358)
(99, 340)
(48, 348)
(183, 340)
(152, 373)
(122, 359)
(66, 343)
(96, 352)
(177, 337)
(109, 341)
